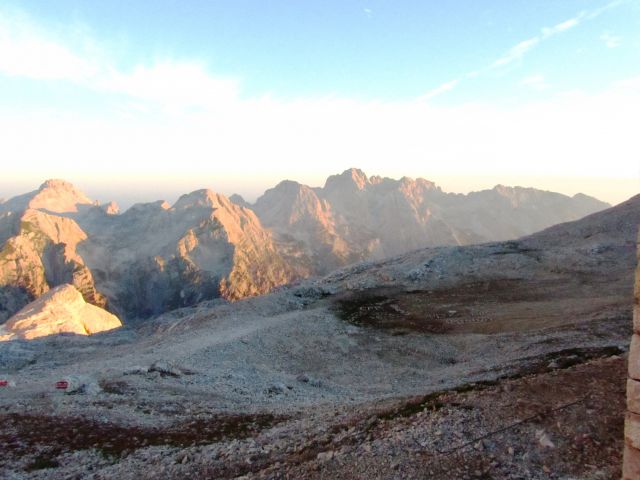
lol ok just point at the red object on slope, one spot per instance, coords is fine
(4, 383)
(62, 385)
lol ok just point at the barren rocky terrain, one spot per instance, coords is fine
(501, 360)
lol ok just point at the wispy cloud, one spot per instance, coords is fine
(176, 84)
(445, 87)
(536, 82)
(518, 51)
(611, 41)
(563, 26)
(28, 51)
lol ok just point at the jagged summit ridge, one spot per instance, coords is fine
(353, 177)
(54, 195)
(59, 184)
(205, 198)
(356, 217)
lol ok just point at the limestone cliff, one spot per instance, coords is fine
(38, 246)
(305, 224)
(154, 257)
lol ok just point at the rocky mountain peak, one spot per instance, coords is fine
(288, 186)
(289, 191)
(503, 189)
(278, 203)
(148, 207)
(426, 183)
(56, 183)
(353, 177)
(58, 196)
(111, 208)
(201, 198)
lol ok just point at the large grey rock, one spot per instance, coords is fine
(61, 310)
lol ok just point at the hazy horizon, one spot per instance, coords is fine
(126, 193)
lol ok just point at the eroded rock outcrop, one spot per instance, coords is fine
(60, 310)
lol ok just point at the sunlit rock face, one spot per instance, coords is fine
(155, 257)
(150, 259)
(60, 310)
(57, 196)
(38, 246)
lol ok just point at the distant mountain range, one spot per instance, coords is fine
(355, 217)
(155, 257)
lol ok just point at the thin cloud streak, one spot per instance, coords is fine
(536, 82)
(518, 51)
(445, 87)
(611, 41)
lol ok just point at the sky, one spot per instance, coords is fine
(143, 100)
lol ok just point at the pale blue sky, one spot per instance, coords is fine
(235, 95)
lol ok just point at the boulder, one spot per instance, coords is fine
(61, 310)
